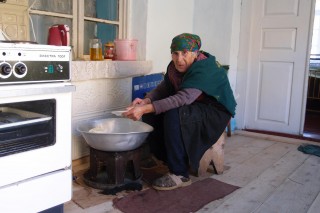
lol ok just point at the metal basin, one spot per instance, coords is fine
(114, 134)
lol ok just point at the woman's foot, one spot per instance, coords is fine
(170, 181)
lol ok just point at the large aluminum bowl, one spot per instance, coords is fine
(114, 134)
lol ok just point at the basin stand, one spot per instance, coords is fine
(116, 164)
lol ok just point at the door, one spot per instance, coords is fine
(277, 65)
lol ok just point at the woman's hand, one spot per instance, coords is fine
(139, 101)
(135, 112)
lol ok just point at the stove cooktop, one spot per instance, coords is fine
(27, 62)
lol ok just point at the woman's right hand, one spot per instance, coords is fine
(135, 112)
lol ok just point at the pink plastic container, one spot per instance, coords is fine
(126, 49)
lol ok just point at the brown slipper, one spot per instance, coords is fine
(170, 181)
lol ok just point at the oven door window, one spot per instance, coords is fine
(26, 126)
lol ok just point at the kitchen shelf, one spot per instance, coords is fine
(91, 70)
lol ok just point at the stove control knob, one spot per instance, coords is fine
(20, 70)
(5, 70)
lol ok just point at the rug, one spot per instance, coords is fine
(187, 199)
(310, 149)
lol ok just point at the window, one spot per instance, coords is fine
(104, 19)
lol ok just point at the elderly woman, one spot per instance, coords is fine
(189, 110)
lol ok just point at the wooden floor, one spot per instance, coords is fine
(273, 175)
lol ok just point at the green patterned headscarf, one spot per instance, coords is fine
(186, 42)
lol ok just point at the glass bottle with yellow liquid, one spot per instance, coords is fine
(95, 50)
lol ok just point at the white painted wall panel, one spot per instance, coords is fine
(274, 92)
(282, 39)
(281, 7)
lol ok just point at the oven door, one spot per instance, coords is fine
(35, 146)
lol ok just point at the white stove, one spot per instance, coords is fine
(35, 127)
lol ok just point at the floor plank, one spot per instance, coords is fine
(314, 208)
(242, 141)
(244, 151)
(298, 191)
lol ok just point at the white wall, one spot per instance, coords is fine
(155, 23)
(138, 16)
(213, 23)
(218, 24)
(166, 19)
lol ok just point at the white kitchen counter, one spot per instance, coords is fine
(90, 70)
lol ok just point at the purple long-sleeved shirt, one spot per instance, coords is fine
(162, 102)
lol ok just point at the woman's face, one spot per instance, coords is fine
(183, 60)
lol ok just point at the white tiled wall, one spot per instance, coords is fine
(100, 88)
(14, 20)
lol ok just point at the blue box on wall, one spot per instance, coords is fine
(143, 84)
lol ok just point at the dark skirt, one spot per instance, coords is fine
(201, 126)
